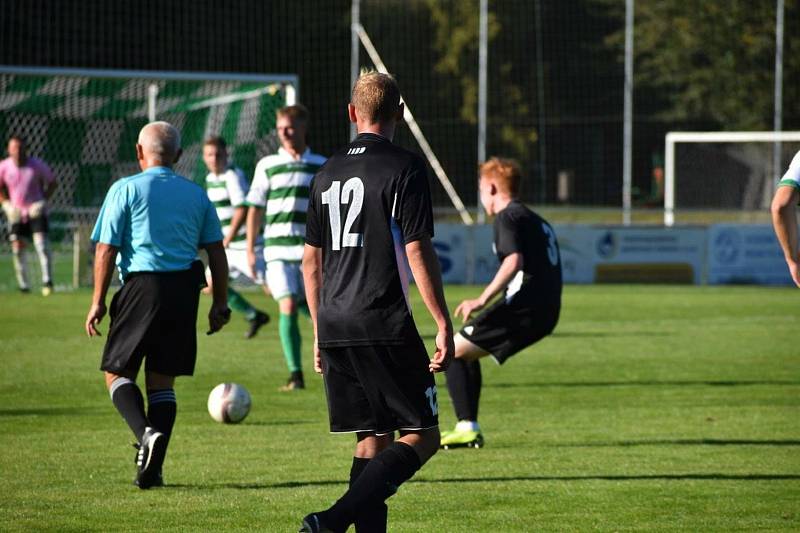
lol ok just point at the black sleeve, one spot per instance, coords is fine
(508, 239)
(313, 229)
(413, 210)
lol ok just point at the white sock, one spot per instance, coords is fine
(43, 251)
(21, 268)
(468, 425)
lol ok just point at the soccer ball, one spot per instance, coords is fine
(229, 403)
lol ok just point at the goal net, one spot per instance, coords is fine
(714, 177)
(85, 123)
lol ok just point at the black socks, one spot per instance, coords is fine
(128, 400)
(379, 479)
(464, 383)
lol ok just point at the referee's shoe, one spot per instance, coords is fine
(151, 454)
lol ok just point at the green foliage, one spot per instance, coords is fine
(649, 409)
(709, 60)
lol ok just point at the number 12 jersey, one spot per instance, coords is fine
(368, 201)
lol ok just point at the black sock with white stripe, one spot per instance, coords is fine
(128, 400)
(161, 409)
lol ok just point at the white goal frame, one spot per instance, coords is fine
(674, 137)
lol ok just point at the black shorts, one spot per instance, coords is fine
(379, 389)
(506, 328)
(28, 228)
(154, 315)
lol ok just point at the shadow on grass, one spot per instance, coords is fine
(499, 479)
(682, 442)
(279, 422)
(643, 383)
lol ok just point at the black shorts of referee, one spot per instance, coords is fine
(379, 389)
(510, 325)
(154, 318)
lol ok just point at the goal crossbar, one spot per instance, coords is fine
(674, 137)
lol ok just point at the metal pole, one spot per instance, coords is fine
(355, 22)
(483, 59)
(777, 124)
(627, 135)
(152, 96)
(540, 99)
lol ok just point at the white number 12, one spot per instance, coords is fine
(334, 197)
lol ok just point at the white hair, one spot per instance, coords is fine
(160, 139)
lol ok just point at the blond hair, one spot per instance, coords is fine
(295, 112)
(376, 96)
(505, 173)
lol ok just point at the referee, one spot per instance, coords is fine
(152, 225)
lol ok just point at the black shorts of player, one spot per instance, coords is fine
(379, 389)
(154, 316)
(506, 328)
(28, 228)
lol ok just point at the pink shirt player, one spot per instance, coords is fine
(26, 184)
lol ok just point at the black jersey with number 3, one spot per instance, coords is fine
(518, 229)
(368, 195)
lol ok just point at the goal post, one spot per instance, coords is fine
(84, 124)
(674, 138)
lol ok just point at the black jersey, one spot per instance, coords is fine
(364, 192)
(518, 229)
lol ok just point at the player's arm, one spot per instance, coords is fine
(425, 266)
(104, 259)
(239, 218)
(784, 220)
(219, 314)
(312, 277)
(512, 264)
(254, 216)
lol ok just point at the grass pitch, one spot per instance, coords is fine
(650, 408)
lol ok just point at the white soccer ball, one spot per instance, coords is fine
(229, 403)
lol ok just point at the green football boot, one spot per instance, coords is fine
(462, 437)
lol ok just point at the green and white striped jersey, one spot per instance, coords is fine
(281, 186)
(228, 191)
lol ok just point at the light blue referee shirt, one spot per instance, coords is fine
(157, 220)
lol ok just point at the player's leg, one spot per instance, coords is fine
(464, 381)
(291, 342)
(380, 478)
(399, 394)
(283, 279)
(237, 267)
(372, 519)
(39, 230)
(17, 231)
(127, 398)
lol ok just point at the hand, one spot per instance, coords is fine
(466, 308)
(218, 316)
(225, 242)
(445, 351)
(13, 215)
(794, 270)
(317, 358)
(96, 314)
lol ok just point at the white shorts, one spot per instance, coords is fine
(239, 268)
(285, 278)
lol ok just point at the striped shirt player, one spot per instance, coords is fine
(227, 191)
(784, 217)
(278, 197)
(226, 187)
(280, 186)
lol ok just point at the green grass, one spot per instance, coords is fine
(650, 409)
